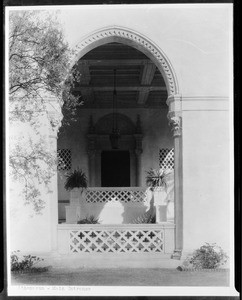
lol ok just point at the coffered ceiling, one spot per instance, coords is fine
(138, 81)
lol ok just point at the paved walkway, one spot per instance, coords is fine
(109, 260)
(123, 277)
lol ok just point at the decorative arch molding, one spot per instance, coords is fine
(133, 39)
(104, 124)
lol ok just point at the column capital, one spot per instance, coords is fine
(174, 102)
(138, 143)
(91, 136)
(54, 113)
(138, 151)
(91, 152)
(91, 142)
(175, 121)
(138, 136)
(91, 128)
(55, 119)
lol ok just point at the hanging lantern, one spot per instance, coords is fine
(114, 139)
(115, 135)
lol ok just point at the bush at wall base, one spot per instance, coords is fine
(207, 257)
(89, 220)
(26, 263)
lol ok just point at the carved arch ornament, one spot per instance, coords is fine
(125, 125)
(133, 39)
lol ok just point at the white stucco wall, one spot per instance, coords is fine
(29, 230)
(196, 38)
(206, 181)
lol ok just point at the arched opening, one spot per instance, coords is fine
(145, 81)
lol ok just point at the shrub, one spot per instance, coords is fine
(89, 220)
(208, 256)
(26, 263)
(145, 219)
(157, 178)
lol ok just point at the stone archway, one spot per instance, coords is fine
(152, 51)
(135, 40)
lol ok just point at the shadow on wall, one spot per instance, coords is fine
(116, 212)
(133, 213)
(92, 209)
(113, 212)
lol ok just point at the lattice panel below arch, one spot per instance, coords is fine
(166, 158)
(117, 241)
(64, 159)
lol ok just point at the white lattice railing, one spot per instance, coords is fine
(130, 238)
(120, 194)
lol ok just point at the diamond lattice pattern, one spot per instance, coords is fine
(107, 195)
(64, 159)
(116, 241)
(166, 158)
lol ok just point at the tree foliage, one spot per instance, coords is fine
(39, 62)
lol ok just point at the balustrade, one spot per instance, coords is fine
(131, 238)
(111, 205)
(120, 194)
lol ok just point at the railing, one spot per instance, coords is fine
(120, 194)
(114, 205)
(130, 238)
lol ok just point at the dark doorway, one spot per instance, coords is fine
(115, 168)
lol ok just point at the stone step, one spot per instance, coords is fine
(110, 260)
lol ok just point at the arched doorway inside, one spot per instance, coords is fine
(105, 161)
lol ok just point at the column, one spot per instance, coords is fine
(138, 152)
(55, 116)
(175, 121)
(91, 167)
(91, 151)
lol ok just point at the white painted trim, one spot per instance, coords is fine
(114, 226)
(132, 38)
(205, 103)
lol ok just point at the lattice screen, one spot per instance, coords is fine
(64, 159)
(117, 240)
(166, 158)
(107, 194)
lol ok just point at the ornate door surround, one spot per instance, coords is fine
(98, 141)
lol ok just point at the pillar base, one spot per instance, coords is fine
(177, 254)
(73, 212)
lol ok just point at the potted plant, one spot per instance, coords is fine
(156, 180)
(76, 182)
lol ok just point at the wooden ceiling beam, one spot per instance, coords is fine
(85, 79)
(114, 62)
(147, 76)
(120, 88)
(83, 68)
